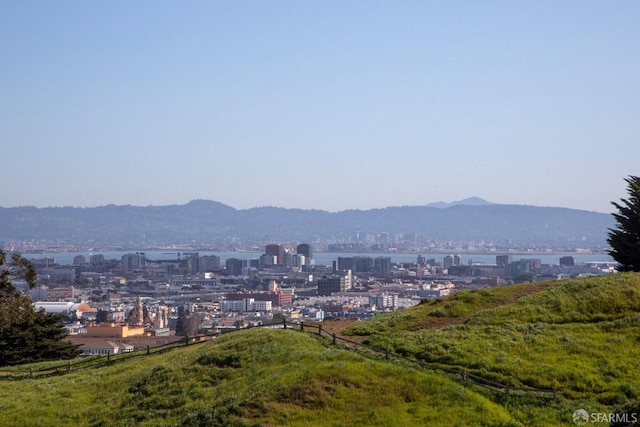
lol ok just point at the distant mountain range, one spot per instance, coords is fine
(471, 201)
(204, 223)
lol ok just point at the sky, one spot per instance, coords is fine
(330, 105)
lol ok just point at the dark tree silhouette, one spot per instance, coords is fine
(102, 316)
(16, 268)
(624, 239)
(27, 335)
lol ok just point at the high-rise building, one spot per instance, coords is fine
(346, 263)
(305, 249)
(568, 261)
(294, 260)
(192, 262)
(208, 263)
(97, 259)
(328, 285)
(452, 261)
(233, 266)
(267, 260)
(275, 250)
(133, 261)
(503, 260)
(362, 264)
(382, 265)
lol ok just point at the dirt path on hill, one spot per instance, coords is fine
(337, 326)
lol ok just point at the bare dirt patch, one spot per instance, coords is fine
(337, 326)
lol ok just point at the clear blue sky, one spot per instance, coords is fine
(319, 104)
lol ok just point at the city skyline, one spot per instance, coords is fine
(319, 105)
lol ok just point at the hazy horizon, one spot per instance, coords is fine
(319, 105)
(449, 203)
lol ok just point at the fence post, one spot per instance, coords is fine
(506, 390)
(30, 372)
(301, 326)
(186, 340)
(108, 357)
(386, 356)
(320, 329)
(334, 338)
(68, 366)
(284, 323)
(148, 349)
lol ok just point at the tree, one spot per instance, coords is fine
(182, 325)
(624, 239)
(27, 335)
(102, 316)
(18, 267)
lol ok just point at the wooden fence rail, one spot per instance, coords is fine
(461, 375)
(99, 361)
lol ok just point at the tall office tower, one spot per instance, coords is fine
(294, 260)
(233, 266)
(275, 250)
(268, 260)
(448, 261)
(382, 265)
(208, 263)
(96, 259)
(192, 262)
(346, 263)
(133, 261)
(305, 249)
(79, 260)
(503, 260)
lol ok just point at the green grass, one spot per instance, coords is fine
(257, 377)
(592, 299)
(579, 336)
(454, 309)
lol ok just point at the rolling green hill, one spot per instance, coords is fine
(258, 377)
(580, 337)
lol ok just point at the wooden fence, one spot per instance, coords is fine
(99, 361)
(461, 375)
(95, 361)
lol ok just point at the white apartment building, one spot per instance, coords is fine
(245, 305)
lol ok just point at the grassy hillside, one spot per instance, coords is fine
(579, 336)
(257, 377)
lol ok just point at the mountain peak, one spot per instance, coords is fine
(470, 201)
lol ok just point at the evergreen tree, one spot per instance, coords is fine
(624, 239)
(27, 335)
(182, 326)
(102, 316)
